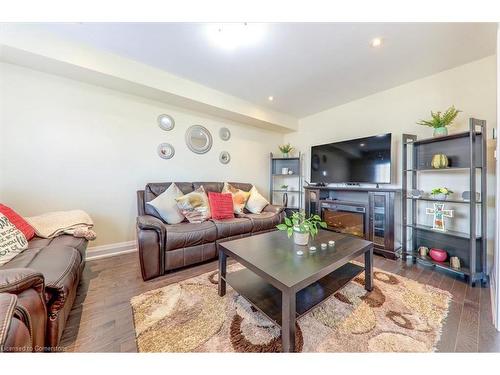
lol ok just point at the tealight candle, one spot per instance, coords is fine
(312, 248)
(323, 246)
(300, 252)
(331, 243)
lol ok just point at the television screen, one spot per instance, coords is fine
(362, 160)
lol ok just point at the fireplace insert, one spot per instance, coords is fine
(345, 217)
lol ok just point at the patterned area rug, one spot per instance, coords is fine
(399, 315)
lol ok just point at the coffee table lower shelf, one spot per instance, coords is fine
(267, 299)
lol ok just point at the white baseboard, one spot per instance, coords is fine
(110, 250)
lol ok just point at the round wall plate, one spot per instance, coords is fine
(166, 122)
(166, 151)
(198, 139)
(224, 157)
(224, 134)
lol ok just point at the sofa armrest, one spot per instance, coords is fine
(273, 208)
(14, 334)
(17, 280)
(151, 237)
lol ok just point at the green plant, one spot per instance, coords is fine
(299, 223)
(441, 190)
(439, 119)
(286, 149)
(284, 187)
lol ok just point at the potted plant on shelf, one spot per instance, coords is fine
(286, 149)
(284, 187)
(439, 121)
(441, 193)
(301, 227)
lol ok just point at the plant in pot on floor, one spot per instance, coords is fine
(301, 227)
(439, 121)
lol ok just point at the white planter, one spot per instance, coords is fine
(300, 238)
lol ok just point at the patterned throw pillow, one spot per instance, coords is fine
(221, 205)
(256, 202)
(18, 221)
(12, 240)
(166, 206)
(240, 197)
(194, 206)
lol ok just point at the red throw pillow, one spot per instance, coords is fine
(221, 205)
(18, 221)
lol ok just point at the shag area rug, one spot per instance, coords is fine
(399, 315)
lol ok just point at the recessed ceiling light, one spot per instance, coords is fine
(232, 35)
(376, 42)
(270, 98)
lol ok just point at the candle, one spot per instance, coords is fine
(331, 243)
(323, 246)
(300, 252)
(312, 248)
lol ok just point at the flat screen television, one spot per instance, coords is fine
(361, 160)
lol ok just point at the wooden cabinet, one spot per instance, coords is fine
(381, 222)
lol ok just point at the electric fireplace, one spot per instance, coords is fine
(345, 217)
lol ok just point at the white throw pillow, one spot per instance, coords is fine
(256, 202)
(166, 205)
(12, 240)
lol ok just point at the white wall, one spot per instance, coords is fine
(66, 144)
(471, 88)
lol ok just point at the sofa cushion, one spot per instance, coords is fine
(194, 206)
(152, 190)
(185, 234)
(221, 205)
(12, 240)
(215, 187)
(240, 197)
(166, 205)
(256, 202)
(264, 221)
(18, 221)
(232, 227)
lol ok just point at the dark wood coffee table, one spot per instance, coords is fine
(284, 285)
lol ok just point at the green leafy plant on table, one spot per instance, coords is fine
(301, 226)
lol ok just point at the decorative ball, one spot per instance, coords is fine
(438, 255)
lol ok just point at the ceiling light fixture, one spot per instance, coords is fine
(270, 98)
(233, 35)
(376, 42)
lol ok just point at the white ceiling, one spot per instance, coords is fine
(306, 67)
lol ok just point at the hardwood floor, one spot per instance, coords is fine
(101, 318)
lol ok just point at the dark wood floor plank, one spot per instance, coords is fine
(101, 318)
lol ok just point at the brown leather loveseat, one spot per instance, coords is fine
(164, 247)
(41, 284)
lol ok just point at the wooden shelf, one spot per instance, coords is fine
(452, 233)
(442, 200)
(448, 137)
(287, 191)
(267, 298)
(443, 265)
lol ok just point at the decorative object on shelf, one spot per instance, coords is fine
(301, 227)
(466, 196)
(441, 193)
(415, 193)
(439, 121)
(224, 134)
(284, 170)
(284, 187)
(166, 122)
(439, 255)
(439, 161)
(166, 151)
(290, 171)
(439, 214)
(285, 200)
(423, 251)
(224, 157)
(198, 139)
(455, 263)
(286, 150)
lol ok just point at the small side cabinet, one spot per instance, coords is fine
(381, 223)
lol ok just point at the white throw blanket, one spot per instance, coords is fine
(52, 224)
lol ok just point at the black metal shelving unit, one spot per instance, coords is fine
(276, 193)
(466, 152)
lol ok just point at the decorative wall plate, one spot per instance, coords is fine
(198, 139)
(166, 122)
(166, 151)
(224, 134)
(224, 157)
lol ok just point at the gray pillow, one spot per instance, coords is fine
(166, 205)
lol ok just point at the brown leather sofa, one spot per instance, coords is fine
(15, 335)
(164, 247)
(44, 279)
